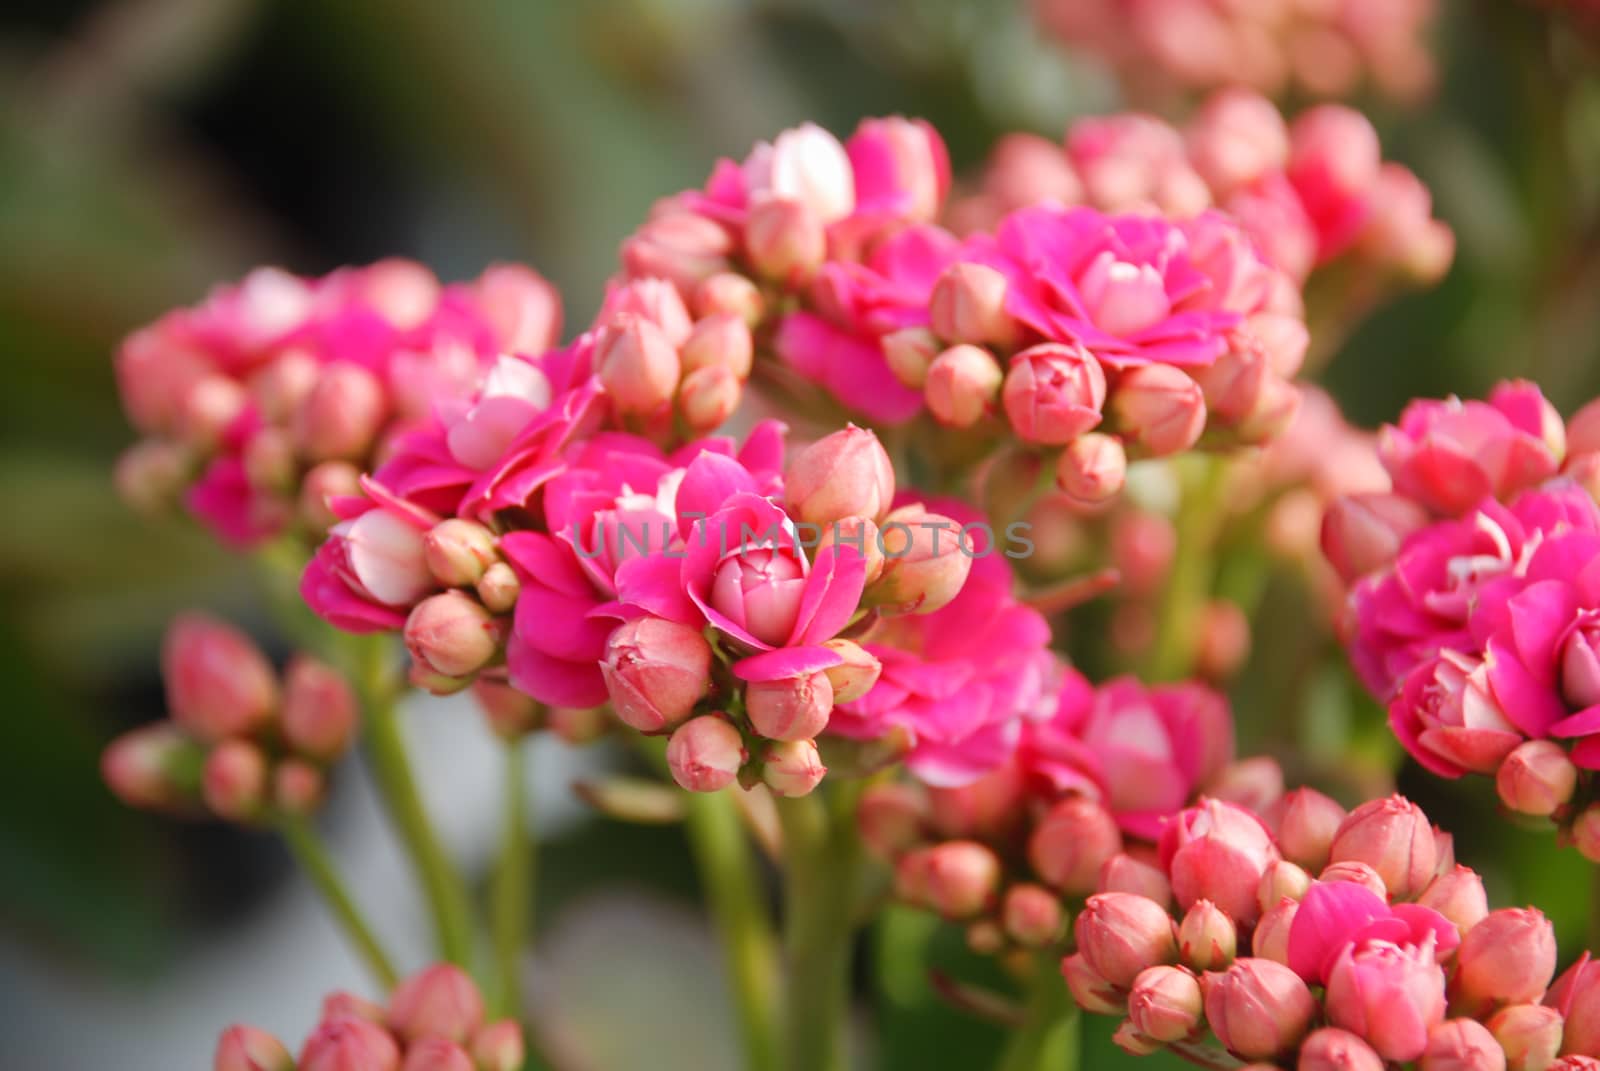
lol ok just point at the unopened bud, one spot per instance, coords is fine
(1507, 958)
(1537, 778)
(1129, 874)
(436, 1054)
(1356, 873)
(1393, 837)
(1158, 409)
(705, 754)
(1307, 823)
(269, 461)
(1128, 1038)
(149, 475)
(1224, 643)
(1281, 881)
(511, 714)
(926, 562)
(721, 340)
(154, 767)
(860, 535)
(855, 676)
(910, 352)
(1462, 1045)
(1362, 533)
(1092, 469)
(281, 387)
(728, 294)
(1089, 990)
(1165, 1004)
(1271, 937)
(234, 780)
(1053, 393)
(341, 417)
(1528, 1034)
(579, 725)
(341, 1004)
(1585, 833)
(452, 634)
(208, 409)
(785, 240)
(458, 551)
(682, 247)
(298, 787)
(1459, 896)
(441, 1001)
(1258, 1009)
(845, 474)
(962, 878)
(219, 684)
(968, 304)
(792, 767)
(1073, 842)
(320, 711)
(1032, 915)
(1120, 934)
(963, 385)
(790, 708)
(655, 672)
(498, 588)
(637, 365)
(1332, 1049)
(891, 818)
(246, 1048)
(1207, 938)
(709, 397)
(499, 1046)
(329, 480)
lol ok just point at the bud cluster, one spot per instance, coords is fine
(240, 742)
(434, 1021)
(274, 394)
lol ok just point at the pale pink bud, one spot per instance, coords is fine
(436, 1054)
(806, 164)
(342, 1004)
(963, 385)
(910, 353)
(926, 562)
(1091, 992)
(655, 672)
(349, 1044)
(1537, 778)
(1224, 644)
(785, 241)
(219, 684)
(452, 634)
(209, 407)
(846, 474)
(1356, 873)
(792, 767)
(1255, 783)
(1462, 1045)
(1207, 938)
(1583, 430)
(298, 787)
(1391, 995)
(1307, 823)
(1271, 937)
(681, 247)
(510, 713)
(1025, 169)
(730, 294)
(1032, 915)
(1458, 895)
(1393, 837)
(331, 479)
(1585, 833)
(1092, 469)
(402, 291)
(708, 397)
(458, 551)
(1218, 851)
(968, 304)
(891, 818)
(149, 475)
(341, 417)
(440, 1001)
(721, 340)
(962, 878)
(855, 676)
(1362, 533)
(637, 365)
(1332, 1049)
(705, 754)
(1507, 958)
(1528, 1034)
(1053, 393)
(499, 1046)
(1237, 137)
(1120, 934)
(1130, 874)
(320, 710)
(656, 300)
(524, 308)
(269, 460)
(1158, 409)
(1258, 1009)
(435, 683)
(860, 535)
(283, 384)
(246, 1048)
(1074, 841)
(1282, 881)
(152, 767)
(1165, 1004)
(498, 588)
(790, 708)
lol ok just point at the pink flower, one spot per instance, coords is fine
(1445, 714)
(219, 684)
(1390, 995)
(1449, 455)
(1218, 852)
(901, 168)
(1333, 915)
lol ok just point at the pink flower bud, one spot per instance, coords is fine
(349, 1044)
(1393, 837)
(1165, 1004)
(705, 754)
(1158, 409)
(790, 708)
(1091, 992)
(1271, 937)
(499, 1046)
(969, 305)
(637, 365)
(1207, 938)
(721, 340)
(806, 164)
(910, 353)
(1032, 915)
(1258, 1009)
(992, 808)
(1537, 778)
(283, 384)
(329, 480)
(961, 878)
(926, 562)
(1583, 430)
(655, 672)
(1237, 137)
(452, 634)
(1362, 533)
(435, 683)
(1528, 1034)
(1255, 783)
(1576, 995)
(785, 241)
(1462, 1045)
(963, 385)
(1143, 545)
(1585, 833)
(436, 1054)
(1507, 958)
(1130, 874)
(1356, 873)
(269, 460)
(730, 294)
(1458, 895)
(708, 398)
(320, 710)
(1224, 644)
(498, 588)
(245, 1048)
(1282, 881)
(1307, 824)
(1391, 995)
(152, 767)
(681, 247)
(510, 713)
(298, 787)
(1053, 393)
(440, 1001)
(891, 818)
(655, 300)
(1025, 169)
(341, 417)
(855, 676)
(1120, 934)
(210, 407)
(792, 767)
(902, 159)
(1332, 1049)
(846, 474)
(861, 536)
(1092, 469)
(1073, 842)
(1218, 851)
(219, 684)
(524, 308)
(234, 780)
(150, 474)
(458, 551)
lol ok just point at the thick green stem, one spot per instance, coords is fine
(513, 884)
(821, 860)
(732, 886)
(1193, 569)
(312, 856)
(1050, 1038)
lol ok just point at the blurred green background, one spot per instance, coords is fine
(151, 147)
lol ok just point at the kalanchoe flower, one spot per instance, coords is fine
(1390, 995)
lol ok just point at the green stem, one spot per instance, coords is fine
(513, 884)
(732, 885)
(1050, 1038)
(312, 856)
(1189, 582)
(821, 859)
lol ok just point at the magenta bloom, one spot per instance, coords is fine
(1335, 914)
(1449, 455)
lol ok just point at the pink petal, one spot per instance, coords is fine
(785, 662)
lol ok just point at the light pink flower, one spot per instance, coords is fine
(1390, 995)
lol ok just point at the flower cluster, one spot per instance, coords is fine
(1388, 955)
(276, 392)
(434, 1021)
(241, 743)
(1326, 49)
(1473, 606)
